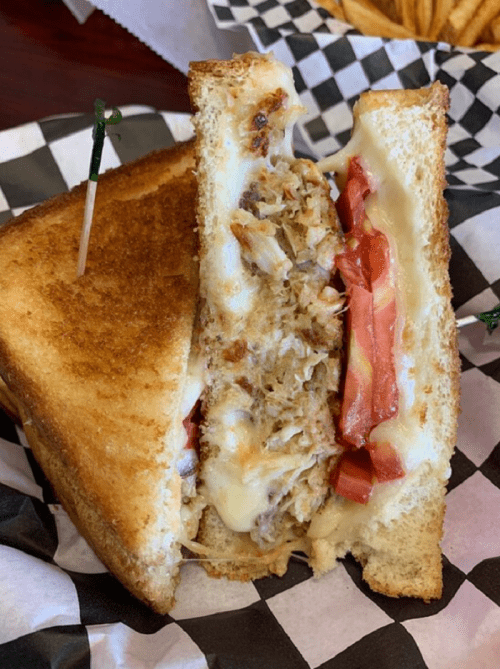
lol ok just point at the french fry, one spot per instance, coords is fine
(387, 7)
(471, 23)
(486, 36)
(487, 47)
(495, 29)
(371, 21)
(399, 9)
(442, 9)
(371, 7)
(462, 14)
(408, 17)
(424, 17)
(334, 8)
(488, 10)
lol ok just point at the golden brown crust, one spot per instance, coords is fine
(210, 70)
(153, 585)
(435, 96)
(97, 364)
(406, 561)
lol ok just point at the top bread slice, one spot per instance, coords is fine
(270, 327)
(401, 137)
(96, 366)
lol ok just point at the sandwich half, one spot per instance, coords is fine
(98, 368)
(270, 324)
(311, 440)
(399, 140)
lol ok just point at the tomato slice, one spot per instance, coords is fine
(385, 391)
(370, 388)
(370, 391)
(353, 476)
(356, 418)
(350, 204)
(385, 460)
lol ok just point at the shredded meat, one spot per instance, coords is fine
(288, 365)
(249, 199)
(236, 351)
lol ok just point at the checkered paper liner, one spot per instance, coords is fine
(58, 604)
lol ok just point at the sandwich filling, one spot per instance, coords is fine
(270, 419)
(370, 393)
(272, 332)
(395, 210)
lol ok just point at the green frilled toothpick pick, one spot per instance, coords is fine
(98, 136)
(490, 318)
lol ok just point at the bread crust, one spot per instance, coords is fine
(97, 364)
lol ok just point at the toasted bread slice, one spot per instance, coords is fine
(270, 326)
(96, 367)
(401, 136)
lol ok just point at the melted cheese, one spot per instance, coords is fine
(395, 210)
(238, 479)
(237, 503)
(232, 287)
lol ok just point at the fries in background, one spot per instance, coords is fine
(471, 23)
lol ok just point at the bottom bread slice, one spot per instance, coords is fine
(398, 558)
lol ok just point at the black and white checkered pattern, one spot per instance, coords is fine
(58, 604)
(274, 17)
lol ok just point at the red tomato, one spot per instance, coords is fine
(353, 476)
(386, 461)
(356, 416)
(370, 389)
(385, 391)
(350, 204)
(370, 393)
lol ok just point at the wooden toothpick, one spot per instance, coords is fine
(98, 135)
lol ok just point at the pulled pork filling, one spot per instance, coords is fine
(271, 429)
